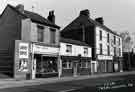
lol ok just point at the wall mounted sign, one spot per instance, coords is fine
(23, 50)
(38, 49)
(103, 57)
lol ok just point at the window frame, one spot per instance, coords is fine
(40, 31)
(52, 36)
(86, 51)
(69, 48)
(101, 48)
(100, 34)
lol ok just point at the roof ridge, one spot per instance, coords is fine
(33, 16)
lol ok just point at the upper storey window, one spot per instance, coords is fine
(40, 33)
(100, 35)
(52, 35)
(108, 37)
(69, 48)
(114, 39)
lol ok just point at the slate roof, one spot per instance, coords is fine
(85, 21)
(71, 41)
(34, 17)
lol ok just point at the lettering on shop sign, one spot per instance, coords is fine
(44, 49)
(102, 57)
(23, 50)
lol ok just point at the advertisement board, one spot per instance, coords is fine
(38, 49)
(23, 50)
(21, 58)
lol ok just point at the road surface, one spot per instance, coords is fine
(124, 83)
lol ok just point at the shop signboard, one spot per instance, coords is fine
(38, 49)
(103, 57)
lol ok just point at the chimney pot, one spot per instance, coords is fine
(51, 17)
(85, 12)
(20, 8)
(100, 20)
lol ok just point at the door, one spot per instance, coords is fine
(75, 66)
(93, 68)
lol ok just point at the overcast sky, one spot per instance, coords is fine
(119, 15)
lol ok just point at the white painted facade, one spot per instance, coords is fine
(105, 43)
(76, 50)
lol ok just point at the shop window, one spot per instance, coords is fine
(52, 35)
(67, 64)
(83, 64)
(40, 33)
(85, 51)
(69, 48)
(70, 65)
(88, 64)
(100, 33)
(47, 65)
(64, 64)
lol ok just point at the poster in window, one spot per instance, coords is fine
(23, 65)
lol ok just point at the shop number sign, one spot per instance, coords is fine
(23, 50)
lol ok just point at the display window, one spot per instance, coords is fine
(46, 64)
(67, 64)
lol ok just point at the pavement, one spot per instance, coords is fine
(9, 83)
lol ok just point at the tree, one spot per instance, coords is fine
(126, 41)
(127, 49)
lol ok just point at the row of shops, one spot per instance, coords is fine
(36, 60)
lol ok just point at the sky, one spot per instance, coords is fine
(118, 15)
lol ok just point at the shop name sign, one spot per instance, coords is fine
(103, 57)
(23, 50)
(44, 49)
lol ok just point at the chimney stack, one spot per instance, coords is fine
(51, 17)
(85, 13)
(20, 8)
(100, 20)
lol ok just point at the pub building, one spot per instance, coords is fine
(30, 44)
(106, 44)
(75, 57)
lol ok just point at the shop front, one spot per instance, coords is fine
(105, 64)
(46, 60)
(118, 67)
(74, 65)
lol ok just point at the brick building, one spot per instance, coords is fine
(30, 43)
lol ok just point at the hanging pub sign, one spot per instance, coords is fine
(23, 50)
